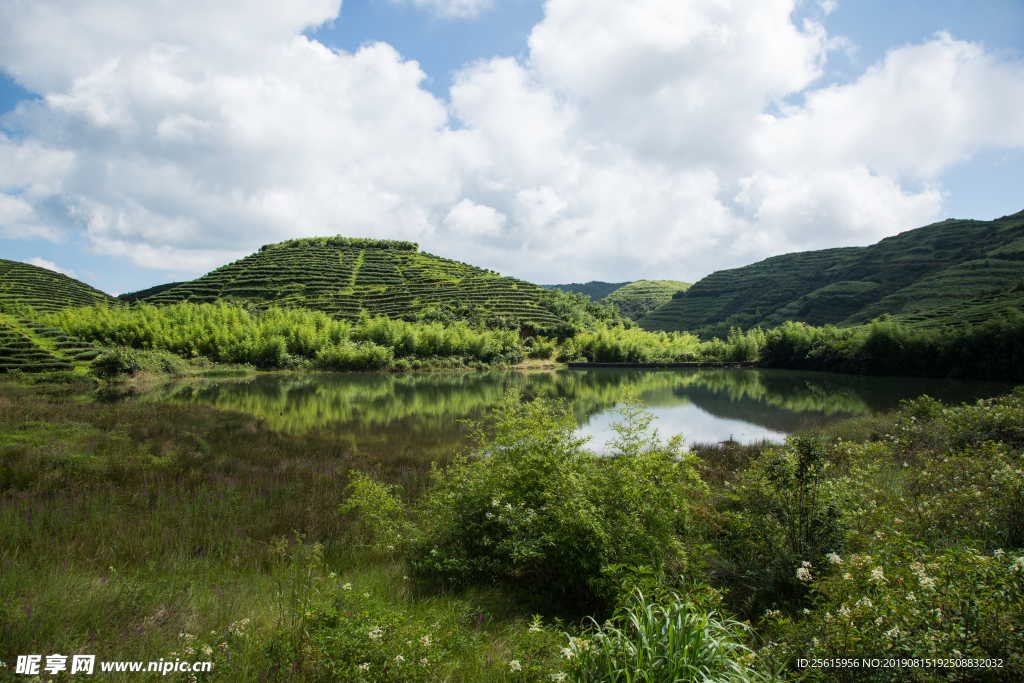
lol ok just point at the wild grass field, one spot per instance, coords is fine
(136, 530)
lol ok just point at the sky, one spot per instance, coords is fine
(557, 141)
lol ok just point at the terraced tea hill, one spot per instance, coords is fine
(132, 297)
(594, 289)
(44, 290)
(927, 268)
(1004, 304)
(346, 277)
(636, 299)
(32, 347)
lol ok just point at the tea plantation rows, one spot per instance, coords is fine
(44, 290)
(345, 278)
(31, 347)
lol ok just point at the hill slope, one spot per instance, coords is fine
(637, 299)
(594, 289)
(132, 297)
(44, 290)
(346, 277)
(927, 268)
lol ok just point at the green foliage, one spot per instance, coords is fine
(115, 363)
(784, 511)
(994, 350)
(576, 313)
(664, 642)
(903, 602)
(277, 338)
(381, 516)
(534, 509)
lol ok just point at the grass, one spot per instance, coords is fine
(125, 524)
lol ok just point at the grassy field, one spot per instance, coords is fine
(935, 266)
(136, 530)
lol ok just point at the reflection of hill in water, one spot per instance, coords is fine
(421, 412)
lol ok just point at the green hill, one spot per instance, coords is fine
(345, 277)
(594, 289)
(928, 268)
(637, 299)
(132, 297)
(42, 289)
(33, 347)
(995, 305)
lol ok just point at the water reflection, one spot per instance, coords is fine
(422, 413)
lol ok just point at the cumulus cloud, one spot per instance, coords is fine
(49, 265)
(639, 139)
(472, 219)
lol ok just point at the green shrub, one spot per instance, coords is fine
(115, 363)
(784, 511)
(903, 602)
(533, 507)
(382, 520)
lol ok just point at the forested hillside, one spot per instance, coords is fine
(346, 277)
(22, 284)
(925, 269)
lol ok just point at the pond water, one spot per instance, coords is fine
(420, 415)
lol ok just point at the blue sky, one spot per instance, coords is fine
(141, 147)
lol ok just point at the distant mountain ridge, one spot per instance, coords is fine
(927, 268)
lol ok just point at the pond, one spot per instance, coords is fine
(422, 415)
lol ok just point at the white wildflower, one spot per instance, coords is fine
(566, 653)
(365, 666)
(425, 641)
(399, 659)
(834, 558)
(347, 587)
(893, 633)
(803, 574)
(877, 575)
(514, 665)
(375, 633)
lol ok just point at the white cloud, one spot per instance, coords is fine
(467, 218)
(633, 140)
(461, 9)
(49, 265)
